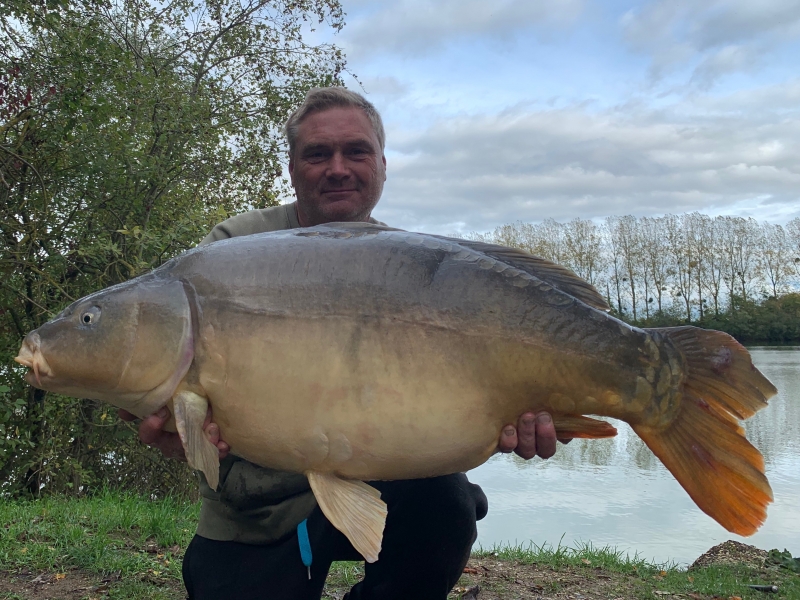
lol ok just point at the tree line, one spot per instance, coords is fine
(730, 273)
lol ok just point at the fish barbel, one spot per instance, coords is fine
(356, 352)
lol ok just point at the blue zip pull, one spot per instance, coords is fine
(305, 545)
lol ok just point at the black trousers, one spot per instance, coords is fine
(430, 529)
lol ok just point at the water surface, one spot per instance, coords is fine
(616, 493)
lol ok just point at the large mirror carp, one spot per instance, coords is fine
(355, 352)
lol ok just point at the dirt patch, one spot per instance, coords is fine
(70, 585)
(499, 580)
(731, 553)
(494, 579)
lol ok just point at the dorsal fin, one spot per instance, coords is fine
(554, 274)
(559, 277)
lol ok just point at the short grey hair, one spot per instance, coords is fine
(319, 99)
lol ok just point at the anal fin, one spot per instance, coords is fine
(354, 508)
(578, 426)
(190, 414)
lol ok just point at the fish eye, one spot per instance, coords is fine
(90, 315)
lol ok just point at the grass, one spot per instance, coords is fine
(97, 534)
(136, 541)
(652, 580)
(127, 547)
(567, 556)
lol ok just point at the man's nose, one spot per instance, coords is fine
(337, 166)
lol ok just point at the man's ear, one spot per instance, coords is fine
(291, 170)
(383, 158)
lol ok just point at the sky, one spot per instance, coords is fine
(521, 110)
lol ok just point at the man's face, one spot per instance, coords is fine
(337, 168)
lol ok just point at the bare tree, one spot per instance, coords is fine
(699, 234)
(629, 271)
(583, 249)
(727, 241)
(747, 267)
(514, 236)
(682, 262)
(793, 235)
(714, 264)
(774, 258)
(655, 253)
(739, 240)
(548, 240)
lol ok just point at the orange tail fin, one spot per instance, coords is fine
(704, 447)
(578, 426)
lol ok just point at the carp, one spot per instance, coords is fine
(356, 352)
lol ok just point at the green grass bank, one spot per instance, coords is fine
(127, 547)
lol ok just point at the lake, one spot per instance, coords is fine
(616, 493)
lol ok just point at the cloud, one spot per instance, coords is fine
(476, 172)
(386, 87)
(712, 38)
(415, 27)
(775, 98)
(726, 60)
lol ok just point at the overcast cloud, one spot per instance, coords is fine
(416, 27)
(474, 172)
(714, 37)
(527, 110)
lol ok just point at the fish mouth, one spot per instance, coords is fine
(30, 355)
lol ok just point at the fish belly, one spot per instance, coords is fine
(371, 399)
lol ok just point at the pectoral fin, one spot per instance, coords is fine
(578, 426)
(354, 508)
(190, 414)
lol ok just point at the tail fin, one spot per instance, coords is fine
(704, 447)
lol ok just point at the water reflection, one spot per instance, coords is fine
(615, 492)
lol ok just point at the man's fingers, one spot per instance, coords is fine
(223, 449)
(151, 432)
(527, 434)
(212, 431)
(545, 435)
(125, 415)
(508, 439)
(151, 429)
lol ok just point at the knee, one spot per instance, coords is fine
(453, 501)
(481, 502)
(466, 500)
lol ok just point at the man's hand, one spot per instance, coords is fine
(151, 432)
(534, 435)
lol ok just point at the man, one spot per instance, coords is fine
(251, 530)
